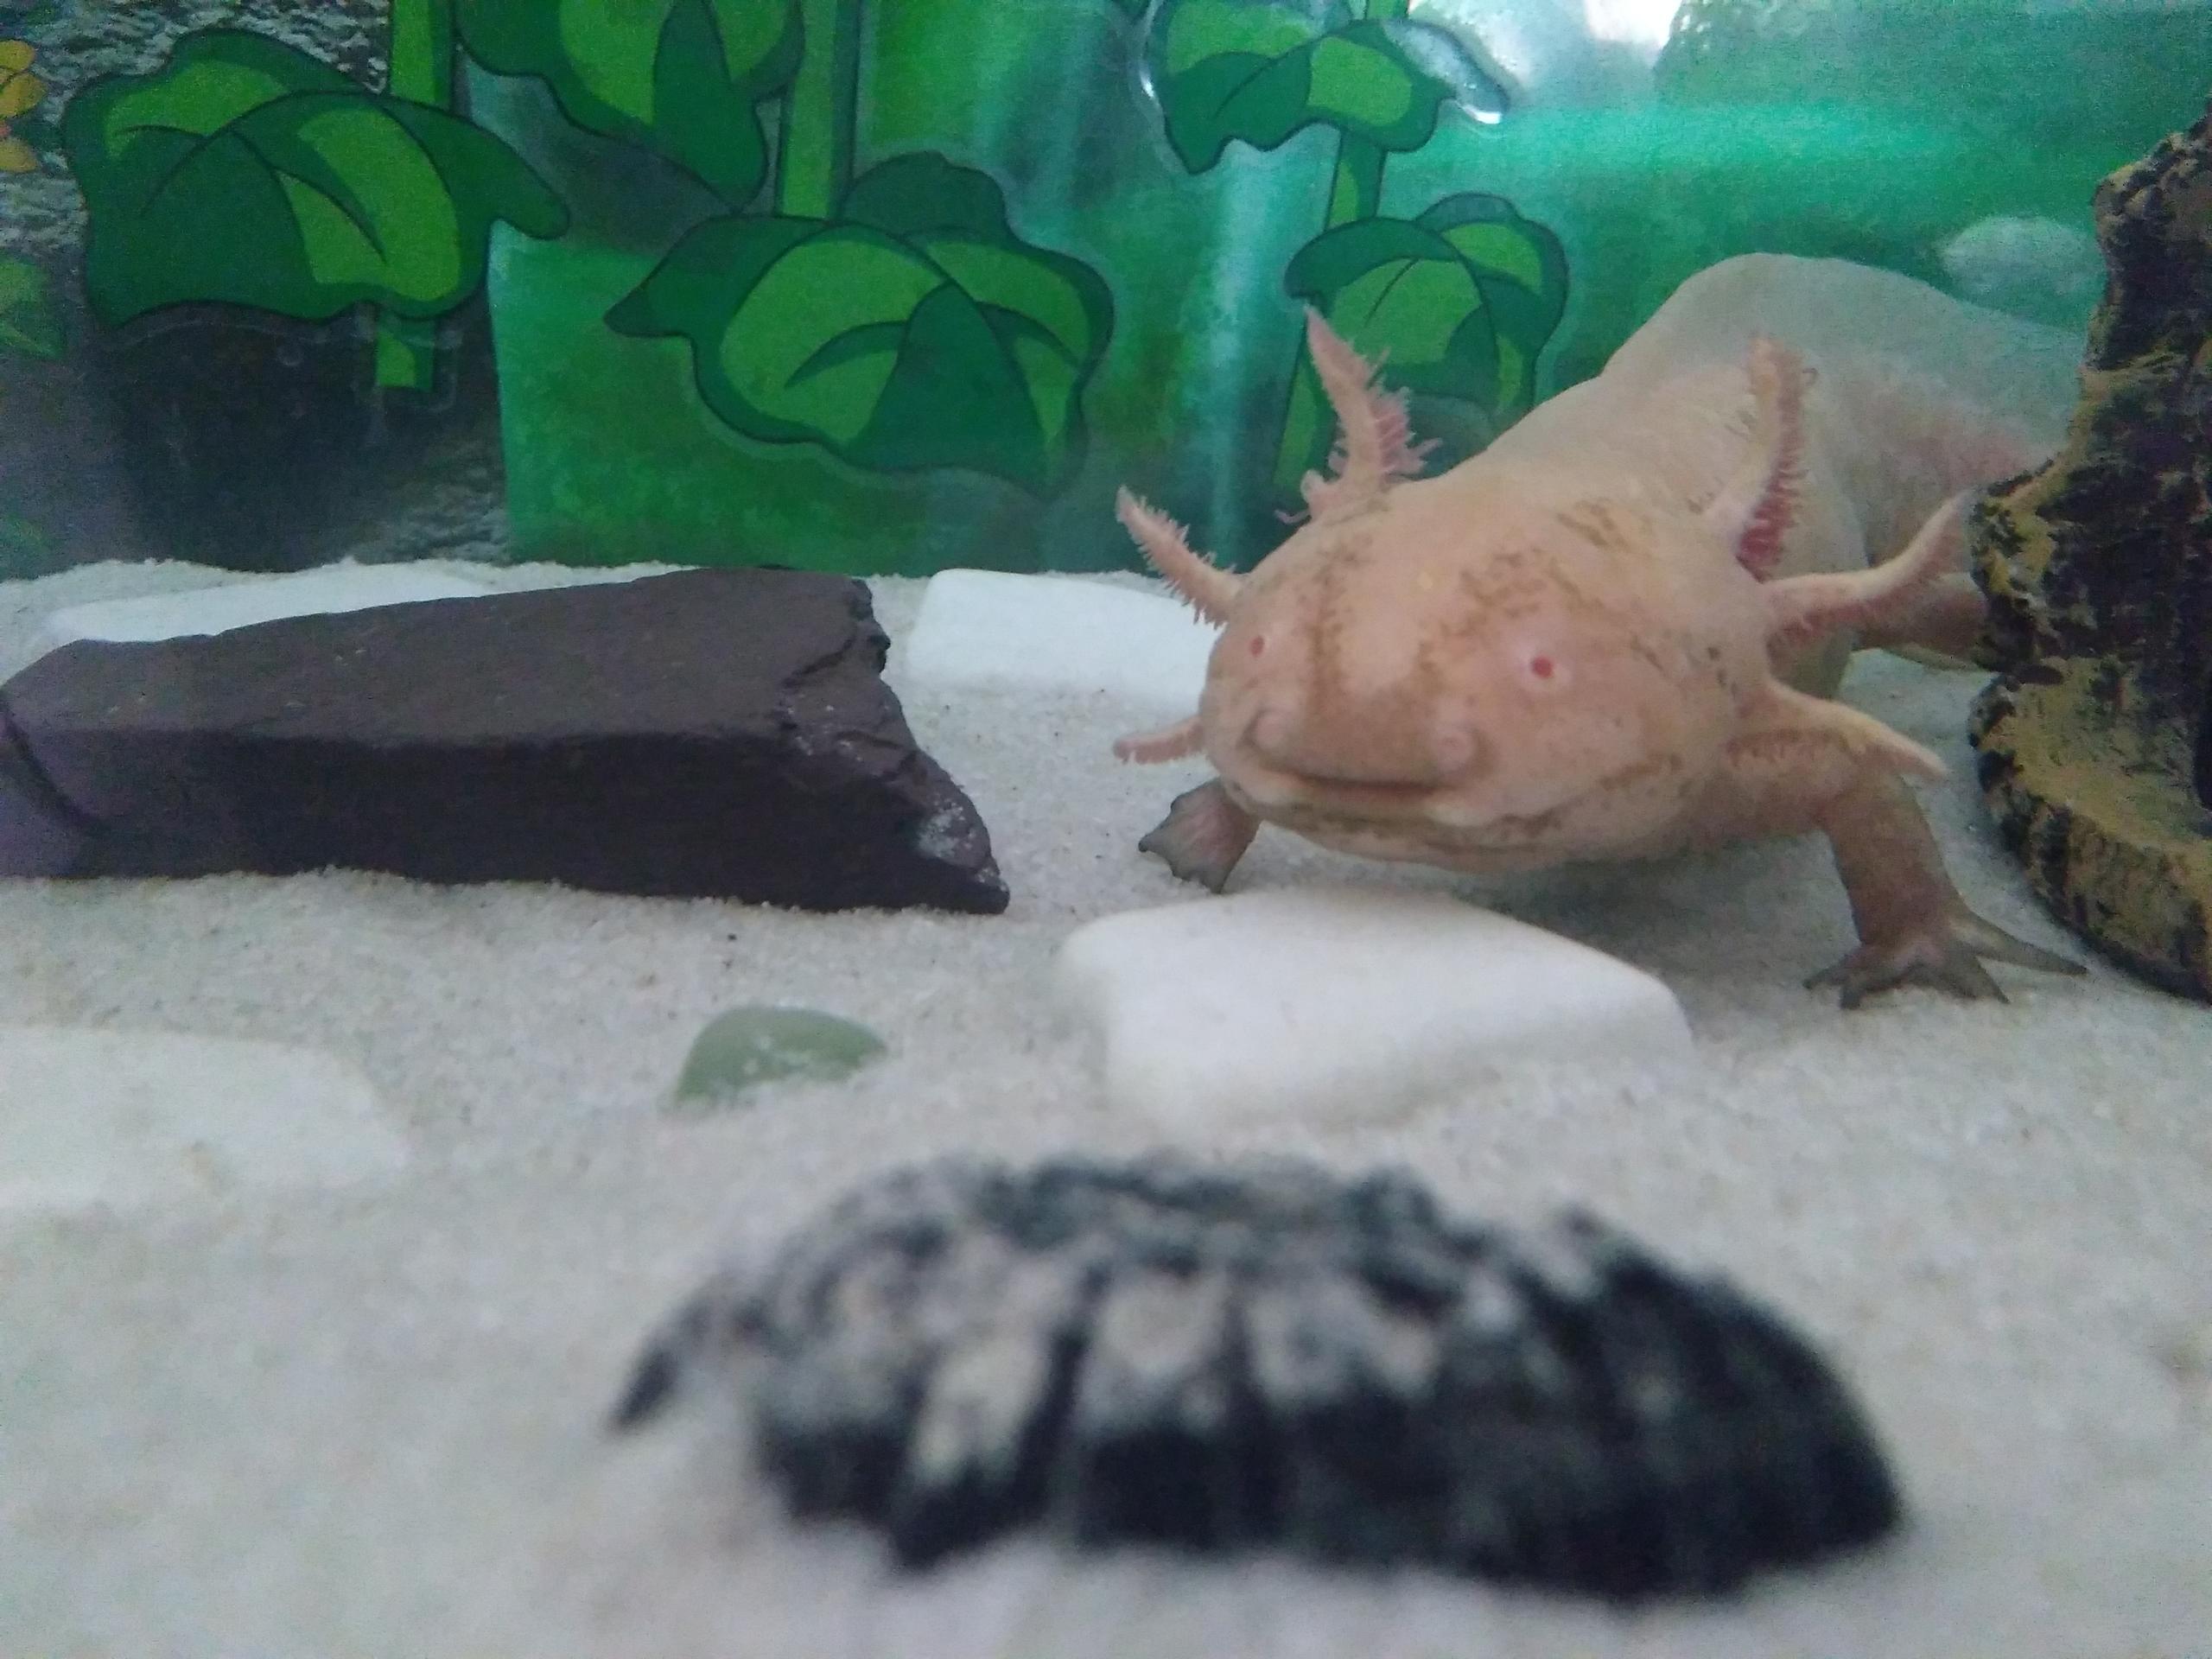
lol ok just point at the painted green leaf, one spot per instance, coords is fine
(1462, 299)
(914, 332)
(1230, 69)
(247, 172)
(28, 323)
(678, 77)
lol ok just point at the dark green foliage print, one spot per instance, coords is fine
(1233, 69)
(884, 310)
(28, 327)
(1465, 297)
(247, 172)
(1460, 299)
(914, 330)
(894, 319)
(682, 77)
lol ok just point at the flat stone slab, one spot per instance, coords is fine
(1345, 1004)
(126, 1119)
(987, 630)
(720, 734)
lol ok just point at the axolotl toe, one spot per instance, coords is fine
(1612, 634)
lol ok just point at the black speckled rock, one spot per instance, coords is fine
(1272, 1356)
(2096, 742)
(716, 734)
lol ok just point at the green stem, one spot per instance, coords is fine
(422, 73)
(1354, 193)
(814, 153)
(422, 51)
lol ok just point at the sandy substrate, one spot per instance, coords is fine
(368, 1422)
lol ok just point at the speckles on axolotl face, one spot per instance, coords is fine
(1276, 1356)
(1611, 526)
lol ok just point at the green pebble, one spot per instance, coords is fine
(756, 1044)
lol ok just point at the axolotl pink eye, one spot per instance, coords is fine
(1542, 671)
(1259, 644)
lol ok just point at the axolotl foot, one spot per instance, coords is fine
(1945, 954)
(1914, 927)
(1203, 836)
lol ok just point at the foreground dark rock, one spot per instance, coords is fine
(1154, 1352)
(721, 734)
(2096, 743)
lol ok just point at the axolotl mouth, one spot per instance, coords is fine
(1634, 810)
(1359, 814)
(1271, 790)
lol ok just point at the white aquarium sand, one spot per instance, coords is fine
(363, 1417)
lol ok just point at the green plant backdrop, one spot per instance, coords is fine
(962, 248)
(887, 286)
(1459, 299)
(28, 326)
(247, 172)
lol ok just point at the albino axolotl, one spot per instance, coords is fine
(1616, 631)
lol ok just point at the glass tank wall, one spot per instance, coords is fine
(885, 286)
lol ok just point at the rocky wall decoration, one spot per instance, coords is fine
(2095, 744)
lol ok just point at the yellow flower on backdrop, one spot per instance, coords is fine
(19, 92)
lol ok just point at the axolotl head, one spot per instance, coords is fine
(1486, 671)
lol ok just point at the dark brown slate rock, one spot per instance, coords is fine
(2096, 751)
(720, 734)
(1221, 1360)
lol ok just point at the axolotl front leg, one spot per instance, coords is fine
(1203, 836)
(1914, 926)
(1205, 832)
(1812, 763)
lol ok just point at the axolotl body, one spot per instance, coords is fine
(1616, 631)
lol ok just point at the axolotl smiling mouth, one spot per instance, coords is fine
(1433, 822)
(1319, 801)
(1400, 829)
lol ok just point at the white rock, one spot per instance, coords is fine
(2017, 263)
(986, 629)
(240, 604)
(1347, 1004)
(134, 1118)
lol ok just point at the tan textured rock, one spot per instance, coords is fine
(2095, 748)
